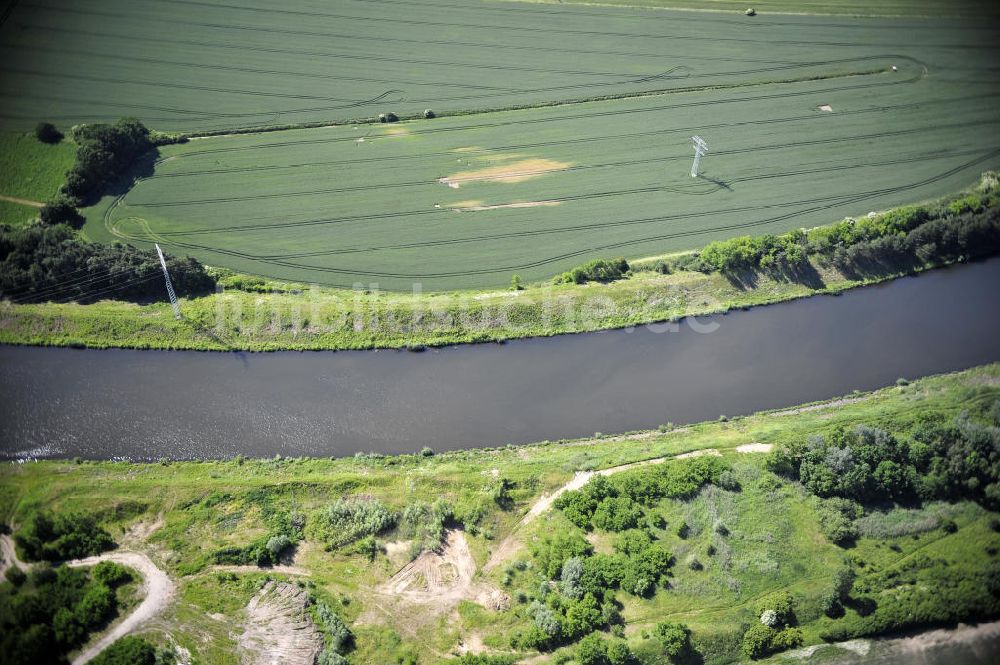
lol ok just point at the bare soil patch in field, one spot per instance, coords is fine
(518, 171)
(477, 206)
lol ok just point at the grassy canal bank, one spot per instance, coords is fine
(724, 521)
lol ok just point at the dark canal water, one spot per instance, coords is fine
(152, 404)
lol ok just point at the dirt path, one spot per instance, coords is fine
(24, 202)
(278, 627)
(284, 570)
(158, 591)
(8, 555)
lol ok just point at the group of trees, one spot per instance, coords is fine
(104, 154)
(43, 263)
(938, 459)
(62, 536)
(48, 262)
(767, 253)
(902, 238)
(50, 611)
(774, 630)
(576, 585)
(615, 503)
(598, 270)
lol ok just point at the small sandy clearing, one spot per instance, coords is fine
(519, 171)
(438, 580)
(158, 591)
(755, 448)
(278, 629)
(477, 206)
(24, 202)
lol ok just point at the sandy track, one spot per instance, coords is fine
(24, 202)
(8, 555)
(158, 591)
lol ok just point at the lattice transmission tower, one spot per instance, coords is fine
(170, 286)
(700, 148)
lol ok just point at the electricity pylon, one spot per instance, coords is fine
(170, 287)
(700, 148)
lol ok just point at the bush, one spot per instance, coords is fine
(16, 576)
(278, 544)
(428, 113)
(61, 536)
(617, 514)
(111, 574)
(61, 210)
(129, 650)
(426, 451)
(387, 117)
(348, 520)
(46, 132)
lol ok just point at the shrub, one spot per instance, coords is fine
(111, 574)
(129, 650)
(16, 576)
(617, 514)
(46, 132)
(387, 117)
(674, 637)
(428, 113)
(278, 544)
(339, 638)
(592, 650)
(426, 451)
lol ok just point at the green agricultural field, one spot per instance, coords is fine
(31, 172)
(804, 115)
(466, 202)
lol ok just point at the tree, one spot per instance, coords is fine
(46, 132)
(515, 283)
(592, 650)
(675, 638)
